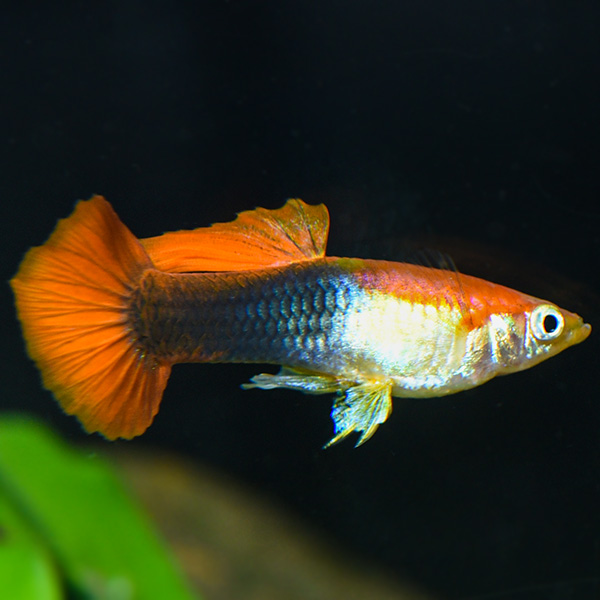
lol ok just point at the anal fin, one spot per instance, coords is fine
(361, 408)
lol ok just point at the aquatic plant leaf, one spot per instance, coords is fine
(75, 523)
(26, 569)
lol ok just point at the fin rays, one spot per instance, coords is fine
(256, 239)
(72, 298)
(363, 408)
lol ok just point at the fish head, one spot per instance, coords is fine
(539, 330)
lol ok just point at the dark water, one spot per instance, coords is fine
(472, 125)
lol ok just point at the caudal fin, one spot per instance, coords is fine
(72, 298)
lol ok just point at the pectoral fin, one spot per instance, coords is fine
(362, 408)
(293, 379)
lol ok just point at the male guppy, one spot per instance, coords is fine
(106, 315)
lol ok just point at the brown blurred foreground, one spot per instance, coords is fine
(234, 545)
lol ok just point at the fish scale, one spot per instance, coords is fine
(275, 315)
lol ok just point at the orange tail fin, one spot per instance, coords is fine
(71, 296)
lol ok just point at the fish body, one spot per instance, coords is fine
(261, 290)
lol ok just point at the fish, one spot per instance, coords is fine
(106, 315)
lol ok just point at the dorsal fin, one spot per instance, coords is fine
(257, 239)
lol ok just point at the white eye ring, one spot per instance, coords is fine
(546, 323)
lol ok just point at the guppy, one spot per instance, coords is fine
(106, 315)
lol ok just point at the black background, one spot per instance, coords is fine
(474, 126)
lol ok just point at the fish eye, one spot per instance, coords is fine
(547, 323)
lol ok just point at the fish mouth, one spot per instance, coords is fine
(584, 332)
(579, 330)
(575, 330)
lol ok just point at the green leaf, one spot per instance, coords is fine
(66, 522)
(26, 570)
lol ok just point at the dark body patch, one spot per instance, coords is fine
(282, 315)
